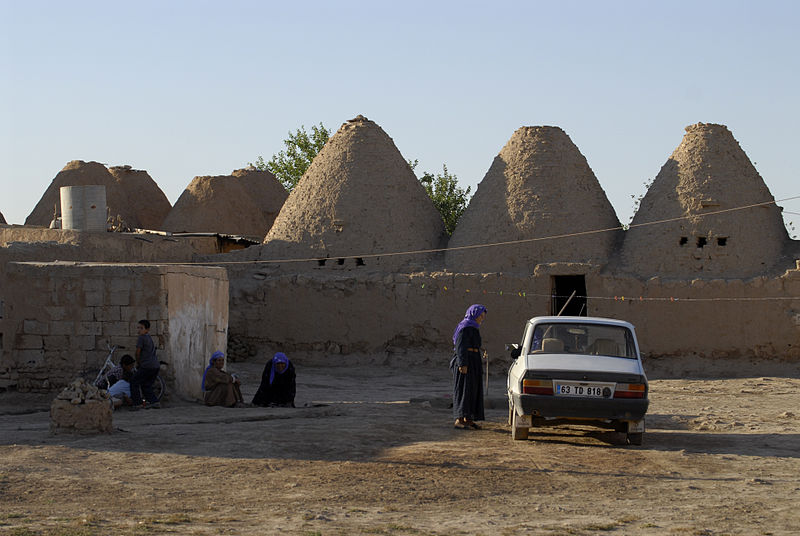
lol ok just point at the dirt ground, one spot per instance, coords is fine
(372, 450)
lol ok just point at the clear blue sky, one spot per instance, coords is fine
(186, 88)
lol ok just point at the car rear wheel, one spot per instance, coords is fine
(517, 432)
(636, 438)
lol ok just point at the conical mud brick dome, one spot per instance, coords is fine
(358, 197)
(708, 173)
(133, 196)
(538, 186)
(265, 191)
(2, 219)
(150, 203)
(217, 204)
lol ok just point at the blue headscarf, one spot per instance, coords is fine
(473, 312)
(216, 355)
(280, 357)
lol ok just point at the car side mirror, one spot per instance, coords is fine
(514, 350)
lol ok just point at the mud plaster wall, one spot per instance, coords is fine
(397, 318)
(197, 307)
(58, 317)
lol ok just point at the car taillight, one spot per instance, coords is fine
(630, 390)
(537, 387)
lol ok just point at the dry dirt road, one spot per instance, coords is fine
(373, 451)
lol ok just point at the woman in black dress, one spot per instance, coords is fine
(277, 383)
(468, 370)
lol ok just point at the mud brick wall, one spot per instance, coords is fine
(396, 318)
(59, 317)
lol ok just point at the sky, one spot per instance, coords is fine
(188, 88)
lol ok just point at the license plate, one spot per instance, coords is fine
(589, 390)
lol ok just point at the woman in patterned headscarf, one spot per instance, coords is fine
(468, 370)
(278, 383)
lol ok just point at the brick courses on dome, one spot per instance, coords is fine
(152, 206)
(131, 194)
(539, 185)
(265, 190)
(708, 172)
(358, 197)
(237, 204)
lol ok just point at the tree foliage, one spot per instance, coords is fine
(450, 200)
(301, 148)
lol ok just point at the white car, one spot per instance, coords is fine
(577, 370)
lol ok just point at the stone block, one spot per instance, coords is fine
(56, 342)
(93, 285)
(81, 343)
(93, 298)
(29, 342)
(116, 329)
(132, 314)
(91, 417)
(122, 297)
(89, 328)
(35, 327)
(107, 313)
(30, 359)
(86, 314)
(120, 285)
(62, 328)
(56, 312)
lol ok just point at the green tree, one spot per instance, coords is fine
(301, 148)
(450, 200)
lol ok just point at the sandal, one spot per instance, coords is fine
(473, 425)
(460, 425)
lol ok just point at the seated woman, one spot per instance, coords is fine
(219, 387)
(278, 384)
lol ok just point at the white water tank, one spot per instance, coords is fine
(83, 208)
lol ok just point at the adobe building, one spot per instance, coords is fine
(691, 224)
(152, 205)
(130, 194)
(265, 190)
(357, 205)
(2, 219)
(741, 318)
(244, 203)
(58, 318)
(539, 186)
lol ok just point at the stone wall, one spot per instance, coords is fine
(58, 318)
(397, 318)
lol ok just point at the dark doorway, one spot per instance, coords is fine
(563, 287)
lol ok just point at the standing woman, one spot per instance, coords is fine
(468, 370)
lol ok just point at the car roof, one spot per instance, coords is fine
(580, 320)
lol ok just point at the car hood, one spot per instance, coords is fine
(583, 363)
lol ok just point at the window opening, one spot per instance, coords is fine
(562, 287)
(359, 261)
(340, 262)
(701, 241)
(683, 241)
(722, 241)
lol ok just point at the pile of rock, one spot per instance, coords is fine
(81, 408)
(238, 350)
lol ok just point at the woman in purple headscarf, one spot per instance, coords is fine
(468, 370)
(219, 387)
(278, 383)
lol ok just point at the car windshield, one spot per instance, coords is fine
(577, 338)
